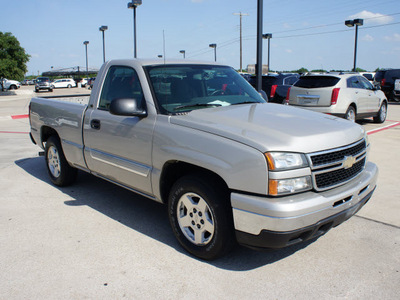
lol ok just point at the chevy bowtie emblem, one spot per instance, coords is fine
(349, 161)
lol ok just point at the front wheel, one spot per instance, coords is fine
(351, 114)
(381, 117)
(69, 86)
(201, 217)
(60, 172)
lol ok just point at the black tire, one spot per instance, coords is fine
(351, 114)
(13, 87)
(205, 208)
(69, 86)
(36, 91)
(50, 90)
(381, 117)
(60, 172)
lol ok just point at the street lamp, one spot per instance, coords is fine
(183, 52)
(267, 36)
(87, 71)
(351, 23)
(215, 50)
(134, 4)
(102, 29)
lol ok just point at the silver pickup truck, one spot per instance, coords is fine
(196, 136)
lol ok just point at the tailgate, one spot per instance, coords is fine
(310, 97)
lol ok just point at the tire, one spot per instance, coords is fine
(36, 91)
(50, 90)
(60, 172)
(351, 114)
(13, 87)
(201, 216)
(69, 86)
(381, 117)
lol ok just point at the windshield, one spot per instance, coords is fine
(42, 79)
(182, 88)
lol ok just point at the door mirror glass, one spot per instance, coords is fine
(126, 107)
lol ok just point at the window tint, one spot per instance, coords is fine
(354, 82)
(366, 84)
(311, 82)
(379, 75)
(121, 82)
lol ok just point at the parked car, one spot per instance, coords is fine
(91, 82)
(11, 84)
(63, 83)
(84, 82)
(276, 85)
(350, 96)
(396, 90)
(197, 137)
(43, 83)
(385, 79)
(369, 75)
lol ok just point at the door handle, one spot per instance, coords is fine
(95, 124)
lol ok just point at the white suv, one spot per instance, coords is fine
(350, 96)
(63, 83)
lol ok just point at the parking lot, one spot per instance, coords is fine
(99, 241)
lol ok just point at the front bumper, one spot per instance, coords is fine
(267, 222)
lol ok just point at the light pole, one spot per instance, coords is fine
(134, 4)
(215, 50)
(267, 36)
(183, 52)
(87, 71)
(351, 23)
(240, 14)
(259, 44)
(102, 29)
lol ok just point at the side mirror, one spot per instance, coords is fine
(126, 107)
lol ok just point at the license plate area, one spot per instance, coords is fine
(308, 99)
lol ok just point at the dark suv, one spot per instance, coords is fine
(43, 83)
(276, 85)
(385, 79)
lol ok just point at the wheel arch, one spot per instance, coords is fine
(173, 170)
(46, 132)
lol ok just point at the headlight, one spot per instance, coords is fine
(279, 161)
(277, 187)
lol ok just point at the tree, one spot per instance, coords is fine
(13, 58)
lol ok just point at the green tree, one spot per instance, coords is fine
(13, 58)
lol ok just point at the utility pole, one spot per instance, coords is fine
(240, 14)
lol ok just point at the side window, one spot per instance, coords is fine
(354, 82)
(366, 84)
(290, 80)
(121, 82)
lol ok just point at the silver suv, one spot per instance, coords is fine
(350, 96)
(43, 83)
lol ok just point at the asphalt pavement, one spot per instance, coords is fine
(95, 240)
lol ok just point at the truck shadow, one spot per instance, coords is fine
(145, 216)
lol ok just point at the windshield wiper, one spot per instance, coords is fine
(197, 105)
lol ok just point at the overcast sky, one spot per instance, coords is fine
(307, 33)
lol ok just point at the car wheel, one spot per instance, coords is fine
(60, 172)
(50, 90)
(201, 217)
(36, 91)
(381, 117)
(351, 114)
(13, 87)
(69, 86)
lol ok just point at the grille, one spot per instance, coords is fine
(328, 167)
(331, 157)
(336, 177)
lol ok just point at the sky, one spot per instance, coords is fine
(307, 33)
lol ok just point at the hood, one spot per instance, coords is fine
(273, 127)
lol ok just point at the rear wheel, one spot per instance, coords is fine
(351, 114)
(69, 86)
(201, 217)
(60, 172)
(381, 117)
